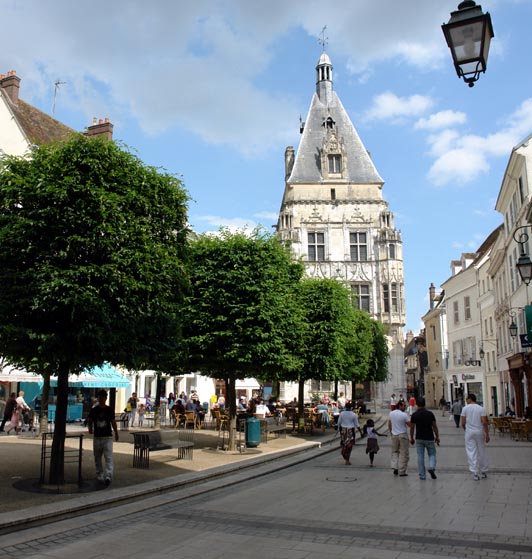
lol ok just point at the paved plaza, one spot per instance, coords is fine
(311, 505)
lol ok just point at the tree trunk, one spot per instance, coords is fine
(336, 390)
(157, 407)
(43, 420)
(57, 458)
(301, 406)
(230, 400)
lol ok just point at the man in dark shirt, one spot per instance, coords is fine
(427, 435)
(101, 422)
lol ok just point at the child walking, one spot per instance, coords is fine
(141, 411)
(372, 444)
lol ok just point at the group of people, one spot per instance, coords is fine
(420, 429)
(347, 426)
(14, 411)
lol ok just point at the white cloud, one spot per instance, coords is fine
(216, 221)
(458, 166)
(460, 159)
(442, 119)
(389, 106)
(199, 65)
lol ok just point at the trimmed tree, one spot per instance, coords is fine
(92, 262)
(328, 341)
(241, 318)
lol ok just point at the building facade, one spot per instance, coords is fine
(489, 315)
(335, 218)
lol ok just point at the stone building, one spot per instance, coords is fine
(334, 215)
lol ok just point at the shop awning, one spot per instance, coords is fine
(98, 377)
(10, 374)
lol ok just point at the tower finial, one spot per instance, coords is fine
(323, 40)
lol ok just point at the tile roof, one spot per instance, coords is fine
(38, 127)
(307, 165)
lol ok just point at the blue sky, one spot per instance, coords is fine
(212, 90)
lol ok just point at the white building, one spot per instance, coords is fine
(337, 221)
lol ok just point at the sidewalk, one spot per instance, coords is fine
(22, 502)
(22, 499)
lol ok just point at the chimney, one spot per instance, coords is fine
(100, 128)
(432, 293)
(11, 85)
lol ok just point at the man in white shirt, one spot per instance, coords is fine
(475, 424)
(398, 425)
(262, 410)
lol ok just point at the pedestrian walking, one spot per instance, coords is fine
(10, 408)
(131, 408)
(347, 423)
(456, 410)
(372, 443)
(475, 424)
(443, 405)
(411, 405)
(101, 423)
(393, 401)
(423, 423)
(141, 411)
(398, 424)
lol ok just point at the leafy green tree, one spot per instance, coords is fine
(241, 318)
(328, 340)
(92, 262)
(378, 366)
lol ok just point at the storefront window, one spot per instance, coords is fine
(476, 389)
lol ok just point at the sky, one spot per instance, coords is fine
(213, 90)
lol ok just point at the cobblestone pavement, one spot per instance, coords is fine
(314, 509)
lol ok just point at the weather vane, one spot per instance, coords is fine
(323, 39)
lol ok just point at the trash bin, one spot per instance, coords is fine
(252, 432)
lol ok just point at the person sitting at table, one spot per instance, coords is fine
(261, 409)
(323, 409)
(271, 405)
(199, 410)
(241, 404)
(509, 412)
(252, 405)
(179, 411)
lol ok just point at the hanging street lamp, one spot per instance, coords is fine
(524, 264)
(468, 34)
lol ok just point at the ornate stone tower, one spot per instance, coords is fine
(336, 220)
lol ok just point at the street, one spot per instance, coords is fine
(318, 508)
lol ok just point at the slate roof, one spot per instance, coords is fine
(38, 127)
(307, 166)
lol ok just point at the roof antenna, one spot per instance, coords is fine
(323, 40)
(57, 84)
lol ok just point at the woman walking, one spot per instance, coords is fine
(347, 423)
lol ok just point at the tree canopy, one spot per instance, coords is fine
(241, 316)
(92, 259)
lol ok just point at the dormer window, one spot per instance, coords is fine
(329, 123)
(335, 164)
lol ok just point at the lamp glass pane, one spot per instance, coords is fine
(467, 40)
